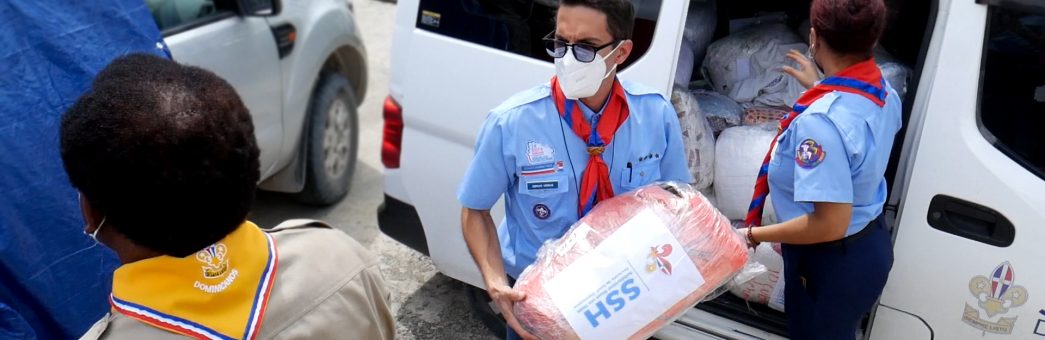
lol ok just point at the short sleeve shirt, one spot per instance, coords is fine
(836, 151)
(526, 152)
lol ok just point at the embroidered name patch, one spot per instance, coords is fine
(542, 185)
(809, 154)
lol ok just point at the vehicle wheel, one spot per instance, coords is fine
(333, 136)
(483, 308)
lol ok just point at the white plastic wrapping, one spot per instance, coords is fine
(721, 112)
(684, 70)
(746, 66)
(701, 20)
(739, 152)
(697, 137)
(895, 72)
(766, 286)
(633, 265)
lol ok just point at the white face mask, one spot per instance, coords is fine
(582, 80)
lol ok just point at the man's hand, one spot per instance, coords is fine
(505, 297)
(481, 237)
(807, 74)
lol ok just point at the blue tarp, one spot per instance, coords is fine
(53, 284)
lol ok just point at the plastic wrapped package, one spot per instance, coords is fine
(697, 137)
(709, 194)
(766, 287)
(633, 265)
(701, 20)
(684, 70)
(721, 112)
(768, 85)
(745, 65)
(739, 152)
(895, 72)
(763, 115)
(897, 75)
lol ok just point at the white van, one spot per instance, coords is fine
(967, 205)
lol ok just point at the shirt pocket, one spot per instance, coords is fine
(542, 197)
(639, 175)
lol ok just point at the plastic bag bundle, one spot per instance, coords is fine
(739, 152)
(697, 137)
(631, 266)
(763, 115)
(895, 72)
(766, 287)
(745, 65)
(701, 20)
(721, 112)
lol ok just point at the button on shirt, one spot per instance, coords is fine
(526, 152)
(836, 151)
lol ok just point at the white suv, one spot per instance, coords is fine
(299, 68)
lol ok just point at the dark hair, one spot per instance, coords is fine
(849, 26)
(620, 14)
(165, 151)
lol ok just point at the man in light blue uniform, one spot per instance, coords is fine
(529, 151)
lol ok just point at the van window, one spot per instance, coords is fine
(173, 14)
(1012, 104)
(517, 26)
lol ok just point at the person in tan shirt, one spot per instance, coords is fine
(166, 164)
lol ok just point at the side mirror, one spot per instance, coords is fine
(260, 8)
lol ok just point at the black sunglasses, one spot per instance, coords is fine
(583, 52)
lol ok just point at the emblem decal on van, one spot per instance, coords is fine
(1040, 328)
(995, 296)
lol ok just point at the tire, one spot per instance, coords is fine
(483, 309)
(332, 141)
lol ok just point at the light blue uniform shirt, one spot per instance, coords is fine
(526, 151)
(836, 151)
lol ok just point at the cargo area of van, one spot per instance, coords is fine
(730, 93)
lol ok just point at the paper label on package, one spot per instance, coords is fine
(743, 68)
(627, 281)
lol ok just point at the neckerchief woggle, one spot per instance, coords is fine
(220, 292)
(864, 79)
(595, 182)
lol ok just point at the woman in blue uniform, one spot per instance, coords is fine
(825, 172)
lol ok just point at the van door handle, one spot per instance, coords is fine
(970, 220)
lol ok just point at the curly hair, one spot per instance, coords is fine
(165, 151)
(849, 26)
